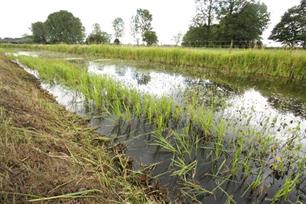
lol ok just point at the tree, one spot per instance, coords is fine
(39, 32)
(118, 25)
(177, 39)
(291, 30)
(206, 13)
(241, 22)
(245, 26)
(135, 30)
(150, 37)
(96, 29)
(144, 19)
(140, 23)
(97, 36)
(198, 36)
(63, 27)
(230, 7)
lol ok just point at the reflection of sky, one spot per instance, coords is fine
(156, 83)
(253, 109)
(72, 101)
(249, 109)
(25, 53)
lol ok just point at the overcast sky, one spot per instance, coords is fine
(169, 16)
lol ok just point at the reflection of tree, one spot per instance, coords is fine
(206, 92)
(120, 70)
(287, 104)
(142, 78)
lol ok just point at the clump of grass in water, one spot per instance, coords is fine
(184, 143)
(288, 186)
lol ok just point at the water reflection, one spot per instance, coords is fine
(265, 111)
(244, 109)
(151, 82)
(251, 109)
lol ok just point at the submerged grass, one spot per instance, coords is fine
(49, 155)
(191, 133)
(277, 63)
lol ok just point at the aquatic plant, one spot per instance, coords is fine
(188, 131)
(277, 63)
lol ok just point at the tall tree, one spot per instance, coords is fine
(239, 23)
(63, 27)
(96, 29)
(229, 7)
(245, 25)
(135, 30)
(118, 26)
(177, 39)
(206, 12)
(198, 36)
(142, 23)
(144, 19)
(97, 36)
(39, 32)
(150, 37)
(291, 30)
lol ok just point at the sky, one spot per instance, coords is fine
(170, 17)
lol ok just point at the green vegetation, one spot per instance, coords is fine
(97, 36)
(141, 27)
(150, 38)
(50, 155)
(118, 26)
(240, 24)
(261, 63)
(188, 131)
(291, 29)
(39, 32)
(52, 30)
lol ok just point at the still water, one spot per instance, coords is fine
(266, 109)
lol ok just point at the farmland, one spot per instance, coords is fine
(185, 131)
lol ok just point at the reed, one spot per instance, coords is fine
(196, 130)
(276, 63)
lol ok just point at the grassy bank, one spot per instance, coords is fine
(49, 155)
(273, 63)
(247, 159)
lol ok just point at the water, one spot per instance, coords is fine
(247, 107)
(269, 109)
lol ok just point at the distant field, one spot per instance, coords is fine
(277, 63)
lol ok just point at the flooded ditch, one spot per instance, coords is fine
(244, 109)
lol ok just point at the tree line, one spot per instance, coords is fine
(217, 23)
(64, 27)
(236, 23)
